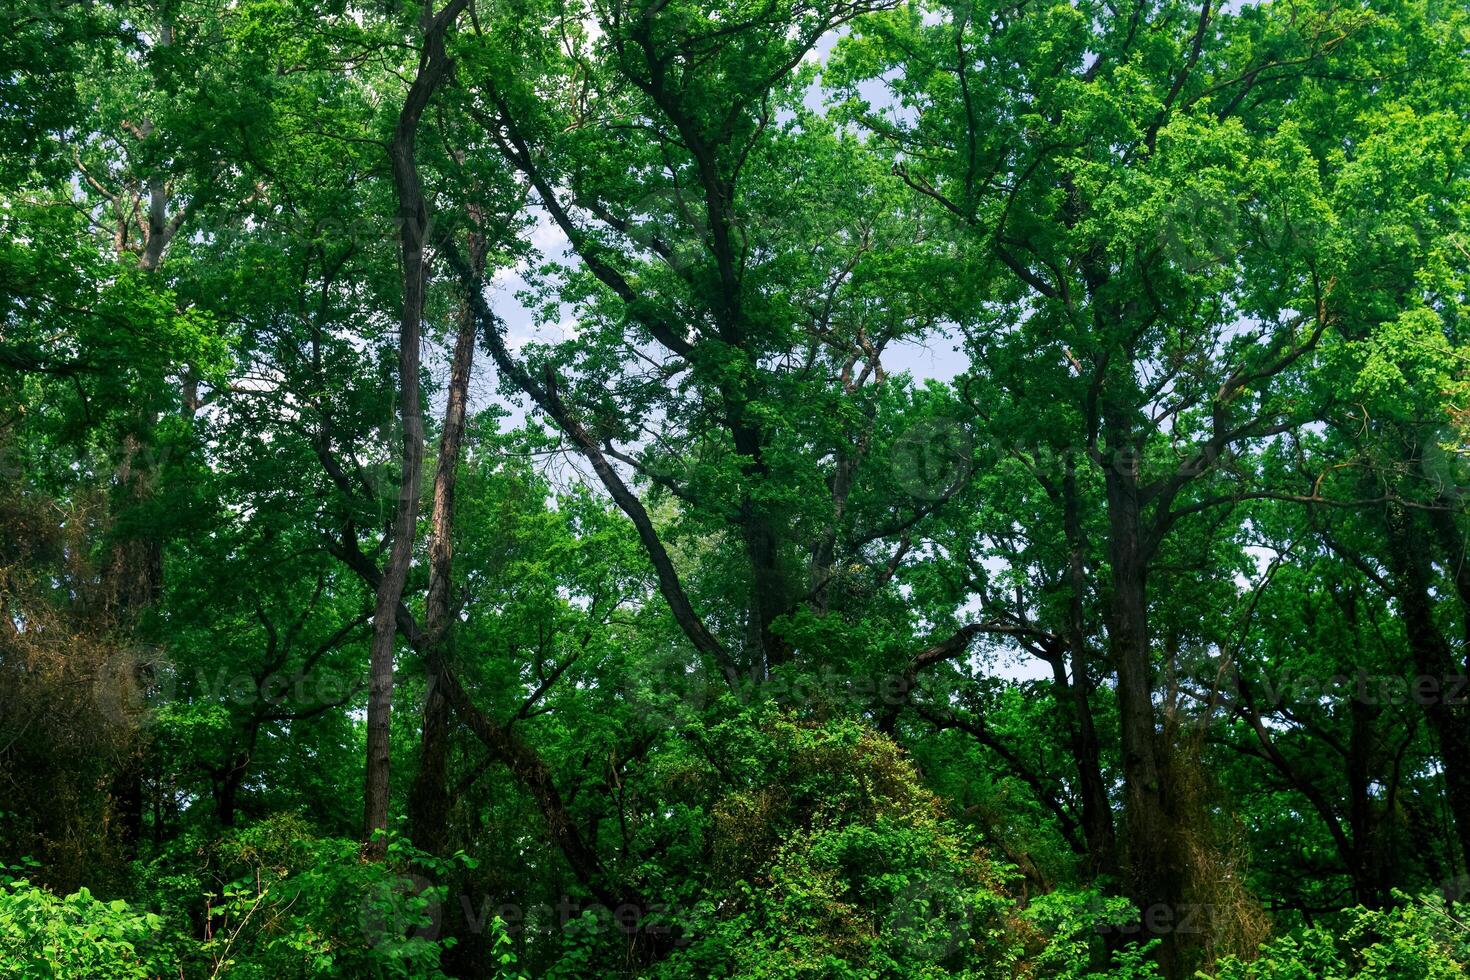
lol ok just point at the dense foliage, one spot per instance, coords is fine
(762, 488)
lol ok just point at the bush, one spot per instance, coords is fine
(1069, 941)
(44, 935)
(1417, 940)
(301, 906)
(837, 863)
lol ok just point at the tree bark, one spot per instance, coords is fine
(1435, 662)
(414, 218)
(1154, 881)
(428, 801)
(1097, 812)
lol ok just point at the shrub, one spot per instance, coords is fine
(46, 935)
(837, 863)
(1417, 940)
(302, 906)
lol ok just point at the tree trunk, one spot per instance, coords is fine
(135, 566)
(428, 801)
(227, 789)
(1097, 811)
(768, 591)
(1435, 664)
(414, 217)
(1153, 876)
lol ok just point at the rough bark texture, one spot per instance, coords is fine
(1154, 880)
(428, 799)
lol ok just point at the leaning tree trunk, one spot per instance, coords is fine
(414, 223)
(428, 800)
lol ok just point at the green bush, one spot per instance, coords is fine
(1069, 946)
(302, 906)
(1417, 940)
(46, 935)
(837, 863)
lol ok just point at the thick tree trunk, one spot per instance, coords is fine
(227, 789)
(768, 588)
(1097, 811)
(1153, 879)
(1435, 664)
(133, 581)
(127, 802)
(1363, 861)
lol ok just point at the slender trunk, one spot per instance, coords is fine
(532, 773)
(429, 801)
(526, 767)
(824, 552)
(1272, 753)
(414, 217)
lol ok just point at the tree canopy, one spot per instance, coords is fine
(762, 488)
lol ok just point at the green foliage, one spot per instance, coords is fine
(1417, 940)
(46, 935)
(294, 905)
(1073, 926)
(938, 478)
(834, 861)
